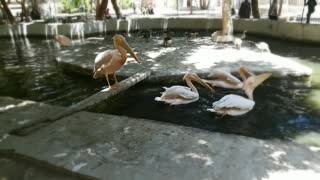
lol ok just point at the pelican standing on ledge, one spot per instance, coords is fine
(110, 61)
(176, 95)
(235, 105)
(64, 41)
(225, 79)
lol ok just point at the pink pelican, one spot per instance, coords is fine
(110, 61)
(63, 40)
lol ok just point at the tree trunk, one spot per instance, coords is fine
(24, 10)
(191, 6)
(100, 9)
(255, 9)
(227, 25)
(280, 8)
(8, 12)
(35, 12)
(204, 4)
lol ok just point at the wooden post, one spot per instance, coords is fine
(87, 103)
(227, 25)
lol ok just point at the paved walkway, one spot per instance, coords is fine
(117, 147)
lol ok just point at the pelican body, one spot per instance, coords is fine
(110, 61)
(63, 40)
(235, 105)
(176, 95)
(167, 40)
(263, 47)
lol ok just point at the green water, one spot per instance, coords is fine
(28, 70)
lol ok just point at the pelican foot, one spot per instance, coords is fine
(115, 85)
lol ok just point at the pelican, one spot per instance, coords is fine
(191, 35)
(216, 36)
(63, 40)
(167, 41)
(262, 46)
(225, 79)
(110, 61)
(235, 105)
(176, 95)
(237, 42)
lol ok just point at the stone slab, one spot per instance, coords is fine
(119, 147)
(200, 56)
(15, 113)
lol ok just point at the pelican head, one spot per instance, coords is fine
(120, 41)
(193, 77)
(252, 82)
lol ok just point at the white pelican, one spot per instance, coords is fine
(237, 42)
(63, 40)
(176, 95)
(262, 46)
(110, 61)
(225, 79)
(235, 105)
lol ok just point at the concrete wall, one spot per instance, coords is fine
(277, 29)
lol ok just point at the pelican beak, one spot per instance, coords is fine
(203, 83)
(125, 45)
(245, 71)
(259, 79)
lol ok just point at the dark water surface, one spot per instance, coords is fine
(28, 71)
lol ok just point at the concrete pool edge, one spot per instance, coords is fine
(120, 147)
(307, 33)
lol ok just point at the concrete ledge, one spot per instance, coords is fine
(119, 147)
(200, 56)
(277, 29)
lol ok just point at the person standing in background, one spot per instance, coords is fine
(311, 8)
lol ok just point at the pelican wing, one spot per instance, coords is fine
(104, 57)
(233, 101)
(180, 92)
(225, 76)
(176, 95)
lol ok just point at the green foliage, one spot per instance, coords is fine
(125, 4)
(75, 5)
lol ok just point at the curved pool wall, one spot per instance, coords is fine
(277, 29)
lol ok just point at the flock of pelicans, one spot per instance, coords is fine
(110, 61)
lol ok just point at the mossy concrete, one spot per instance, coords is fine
(119, 147)
(277, 29)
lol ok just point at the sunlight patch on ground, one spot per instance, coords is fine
(313, 98)
(157, 53)
(206, 56)
(292, 174)
(11, 106)
(309, 139)
(207, 160)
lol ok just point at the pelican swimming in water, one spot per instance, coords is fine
(167, 40)
(235, 105)
(225, 79)
(176, 95)
(110, 61)
(63, 40)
